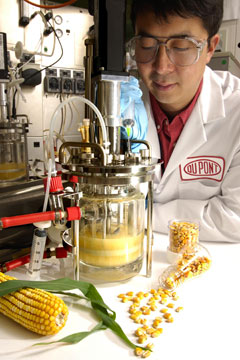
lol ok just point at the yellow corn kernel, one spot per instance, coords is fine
(152, 299)
(150, 346)
(121, 296)
(163, 301)
(167, 315)
(147, 312)
(140, 295)
(178, 309)
(125, 299)
(132, 311)
(170, 305)
(133, 306)
(135, 299)
(155, 333)
(140, 331)
(170, 319)
(151, 302)
(164, 310)
(138, 351)
(25, 307)
(137, 321)
(155, 324)
(153, 307)
(136, 315)
(149, 331)
(143, 321)
(133, 316)
(142, 339)
(159, 319)
(153, 291)
(145, 294)
(130, 293)
(144, 308)
(146, 353)
(167, 292)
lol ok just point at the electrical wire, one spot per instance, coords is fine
(46, 24)
(46, 67)
(51, 6)
(37, 72)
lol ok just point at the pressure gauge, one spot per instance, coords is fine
(59, 33)
(58, 19)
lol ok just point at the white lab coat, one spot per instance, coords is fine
(202, 178)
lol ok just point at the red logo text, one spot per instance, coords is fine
(202, 168)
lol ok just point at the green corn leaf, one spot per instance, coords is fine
(77, 337)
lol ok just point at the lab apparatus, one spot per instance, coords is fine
(13, 144)
(110, 184)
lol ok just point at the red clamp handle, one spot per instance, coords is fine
(27, 219)
(73, 213)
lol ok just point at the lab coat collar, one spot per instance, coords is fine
(209, 107)
(211, 97)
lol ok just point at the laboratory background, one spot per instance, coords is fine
(72, 205)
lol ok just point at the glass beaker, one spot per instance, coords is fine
(111, 232)
(183, 234)
(12, 155)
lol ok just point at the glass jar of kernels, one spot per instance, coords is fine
(192, 263)
(183, 235)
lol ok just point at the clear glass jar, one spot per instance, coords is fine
(183, 235)
(111, 232)
(190, 264)
(13, 165)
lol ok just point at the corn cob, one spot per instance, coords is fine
(35, 309)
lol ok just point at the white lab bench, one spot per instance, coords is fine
(207, 328)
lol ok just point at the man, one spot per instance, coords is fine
(193, 115)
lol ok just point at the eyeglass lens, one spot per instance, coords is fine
(180, 51)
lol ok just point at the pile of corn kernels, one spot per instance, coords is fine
(149, 310)
(182, 235)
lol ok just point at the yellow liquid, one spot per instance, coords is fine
(115, 250)
(17, 170)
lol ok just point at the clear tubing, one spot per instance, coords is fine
(48, 185)
(54, 117)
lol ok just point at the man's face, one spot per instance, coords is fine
(173, 86)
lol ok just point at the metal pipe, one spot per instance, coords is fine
(80, 145)
(149, 230)
(88, 73)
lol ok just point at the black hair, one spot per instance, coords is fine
(210, 11)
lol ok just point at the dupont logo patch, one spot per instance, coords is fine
(202, 167)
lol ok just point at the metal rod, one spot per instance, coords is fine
(76, 259)
(149, 230)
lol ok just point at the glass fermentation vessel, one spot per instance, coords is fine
(13, 152)
(111, 232)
